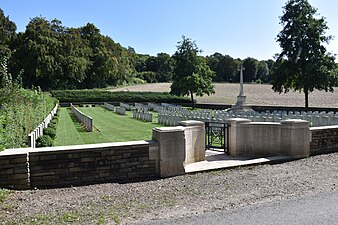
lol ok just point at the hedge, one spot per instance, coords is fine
(44, 141)
(109, 96)
(50, 132)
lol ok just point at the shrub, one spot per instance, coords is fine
(50, 132)
(52, 125)
(44, 141)
(109, 96)
(54, 120)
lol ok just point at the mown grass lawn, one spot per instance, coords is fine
(109, 127)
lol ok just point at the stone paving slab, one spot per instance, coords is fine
(219, 160)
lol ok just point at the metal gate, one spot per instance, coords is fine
(217, 135)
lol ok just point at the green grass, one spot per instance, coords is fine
(4, 193)
(109, 127)
(68, 131)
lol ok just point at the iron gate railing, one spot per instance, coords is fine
(217, 135)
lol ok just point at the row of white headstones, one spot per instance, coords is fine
(172, 115)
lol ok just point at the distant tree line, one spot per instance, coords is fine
(52, 56)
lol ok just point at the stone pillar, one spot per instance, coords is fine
(194, 141)
(236, 135)
(171, 150)
(296, 137)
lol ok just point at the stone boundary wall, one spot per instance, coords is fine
(78, 165)
(87, 121)
(261, 139)
(14, 169)
(37, 132)
(324, 140)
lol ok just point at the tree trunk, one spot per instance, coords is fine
(192, 100)
(306, 92)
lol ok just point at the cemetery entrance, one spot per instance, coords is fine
(217, 136)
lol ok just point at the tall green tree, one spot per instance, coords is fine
(7, 36)
(39, 53)
(7, 33)
(251, 68)
(304, 63)
(192, 75)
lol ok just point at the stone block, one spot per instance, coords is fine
(171, 150)
(195, 141)
(296, 137)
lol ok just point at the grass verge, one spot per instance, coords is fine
(109, 127)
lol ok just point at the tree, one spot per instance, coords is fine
(250, 72)
(39, 53)
(304, 64)
(263, 72)
(191, 73)
(7, 35)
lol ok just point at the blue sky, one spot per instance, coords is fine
(239, 28)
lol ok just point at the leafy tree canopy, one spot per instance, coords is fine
(304, 64)
(191, 74)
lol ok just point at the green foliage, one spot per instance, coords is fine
(21, 111)
(44, 141)
(55, 118)
(225, 67)
(52, 125)
(192, 74)
(109, 96)
(7, 34)
(251, 68)
(304, 64)
(54, 57)
(4, 193)
(50, 132)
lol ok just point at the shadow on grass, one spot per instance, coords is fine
(76, 123)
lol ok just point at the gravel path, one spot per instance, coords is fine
(172, 197)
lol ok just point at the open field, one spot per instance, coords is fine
(257, 94)
(109, 127)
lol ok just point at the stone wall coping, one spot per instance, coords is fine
(90, 146)
(169, 129)
(323, 128)
(15, 151)
(262, 123)
(191, 123)
(238, 120)
(294, 121)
